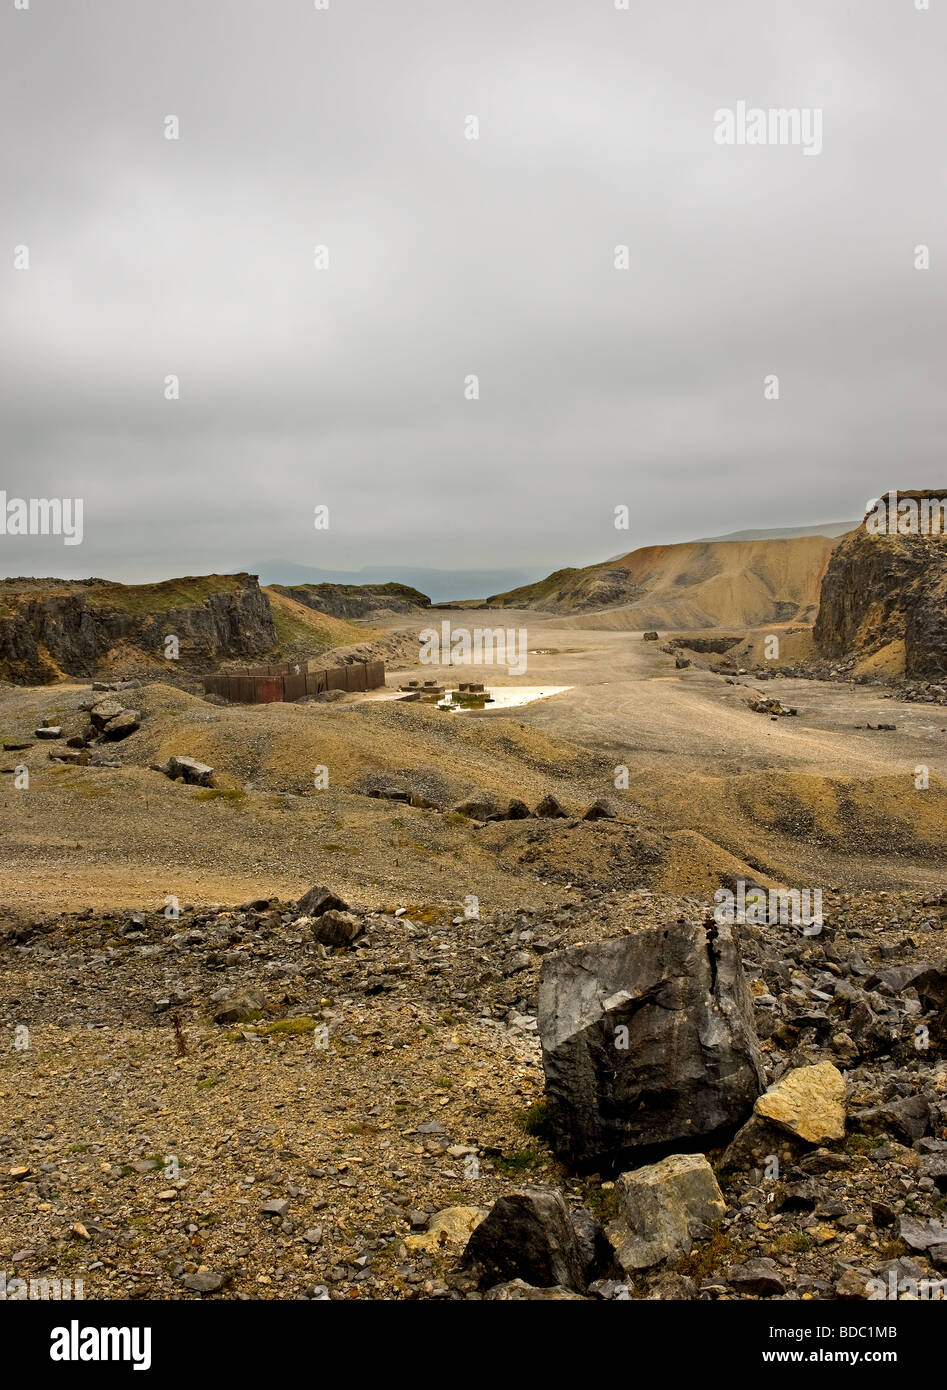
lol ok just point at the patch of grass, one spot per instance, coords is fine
(208, 1082)
(455, 818)
(514, 1164)
(792, 1243)
(171, 594)
(220, 794)
(79, 1148)
(710, 1259)
(602, 1202)
(291, 1027)
(537, 1121)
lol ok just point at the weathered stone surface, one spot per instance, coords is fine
(551, 808)
(337, 928)
(921, 1235)
(104, 711)
(527, 1235)
(761, 1278)
(198, 774)
(647, 1039)
(320, 900)
(122, 725)
(600, 810)
(808, 1102)
(663, 1208)
(451, 1227)
(241, 1009)
(49, 731)
(205, 1282)
(906, 1119)
(73, 631)
(755, 1141)
(481, 806)
(517, 1290)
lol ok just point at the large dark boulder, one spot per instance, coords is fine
(648, 1040)
(530, 1235)
(319, 900)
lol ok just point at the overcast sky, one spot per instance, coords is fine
(449, 257)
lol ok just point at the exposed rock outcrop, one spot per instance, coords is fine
(356, 600)
(52, 627)
(883, 589)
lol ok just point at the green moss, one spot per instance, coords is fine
(863, 1143)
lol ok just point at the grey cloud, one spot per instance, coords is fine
(450, 257)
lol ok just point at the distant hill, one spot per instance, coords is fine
(692, 585)
(440, 585)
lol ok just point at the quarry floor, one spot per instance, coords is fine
(807, 800)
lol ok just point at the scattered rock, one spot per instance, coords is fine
(808, 1102)
(526, 1235)
(335, 928)
(320, 900)
(759, 1278)
(663, 1208)
(519, 1290)
(451, 1227)
(189, 770)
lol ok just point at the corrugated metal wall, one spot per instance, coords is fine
(259, 685)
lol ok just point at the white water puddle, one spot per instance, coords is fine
(508, 696)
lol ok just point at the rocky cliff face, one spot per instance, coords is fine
(884, 588)
(51, 628)
(356, 600)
